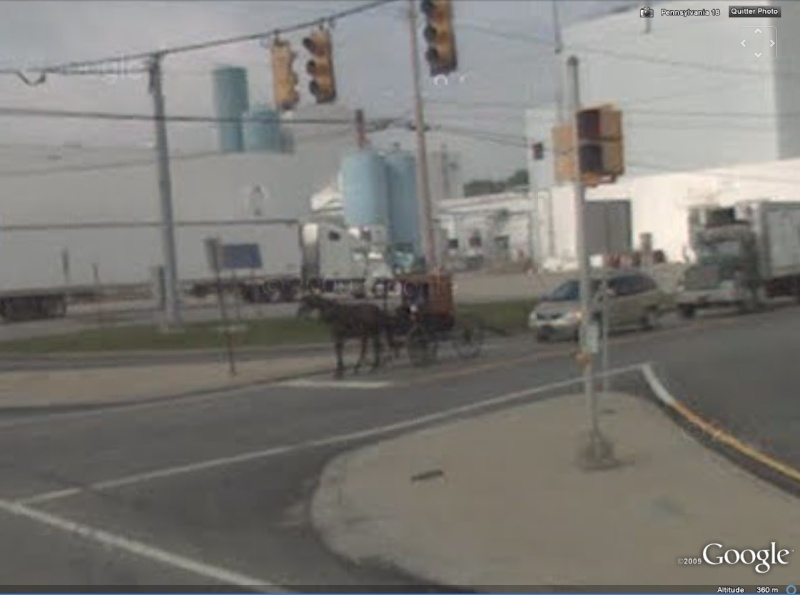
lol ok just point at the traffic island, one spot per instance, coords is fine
(498, 501)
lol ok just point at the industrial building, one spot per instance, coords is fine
(706, 120)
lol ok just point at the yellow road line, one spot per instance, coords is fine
(715, 431)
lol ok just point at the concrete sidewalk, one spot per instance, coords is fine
(107, 386)
(499, 501)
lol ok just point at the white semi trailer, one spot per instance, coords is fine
(42, 267)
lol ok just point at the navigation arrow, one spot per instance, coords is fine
(744, 45)
(772, 43)
(758, 31)
(758, 54)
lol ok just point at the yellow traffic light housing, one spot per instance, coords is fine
(320, 66)
(284, 79)
(441, 53)
(601, 147)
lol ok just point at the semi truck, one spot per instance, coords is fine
(42, 267)
(745, 254)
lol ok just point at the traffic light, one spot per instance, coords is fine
(441, 52)
(284, 79)
(601, 151)
(320, 66)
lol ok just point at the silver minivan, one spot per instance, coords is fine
(634, 300)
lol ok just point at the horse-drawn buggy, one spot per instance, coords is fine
(427, 317)
(424, 318)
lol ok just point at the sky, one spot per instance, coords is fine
(505, 49)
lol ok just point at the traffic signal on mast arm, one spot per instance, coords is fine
(600, 150)
(284, 79)
(320, 66)
(441, 53)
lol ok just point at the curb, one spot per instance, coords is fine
(762, 465)
(135, 401)
(180, 353)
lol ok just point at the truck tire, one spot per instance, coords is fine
(687, 312)
(53, 307)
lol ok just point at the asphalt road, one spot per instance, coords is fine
(213, 490)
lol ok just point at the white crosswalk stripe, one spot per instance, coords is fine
(333, 383)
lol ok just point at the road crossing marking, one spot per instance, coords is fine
(141, 549)
(332, 383)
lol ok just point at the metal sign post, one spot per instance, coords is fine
(596, 452)
(214, 251)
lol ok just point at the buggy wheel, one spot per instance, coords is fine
(467, 338)
(421, 346)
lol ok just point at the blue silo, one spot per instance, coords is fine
(262, 130)
(231, 103)
(365, 189)
(404, 229)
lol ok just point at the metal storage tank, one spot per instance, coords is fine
(404, 226)
(365, 189)
(262, 130)
(230, 102)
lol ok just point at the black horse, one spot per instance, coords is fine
(351, 321)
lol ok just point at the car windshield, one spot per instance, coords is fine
(570, 291)
(719, 250)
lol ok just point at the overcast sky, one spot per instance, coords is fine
(498, 75)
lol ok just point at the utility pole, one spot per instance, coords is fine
(361, 132)
(597, 451)
(559, 48)
(172, 301)
(423, 182)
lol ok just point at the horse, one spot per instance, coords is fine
(363, 321)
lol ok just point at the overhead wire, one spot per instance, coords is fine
(77, 65)
(519, 142)
(629, 56)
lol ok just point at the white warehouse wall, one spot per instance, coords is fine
(214, 187)
(660, 203)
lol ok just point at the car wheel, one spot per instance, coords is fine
(651, 319)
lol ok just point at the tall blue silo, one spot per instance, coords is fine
(262, 130)
(231, 103)
(365, 189)
(404, 228)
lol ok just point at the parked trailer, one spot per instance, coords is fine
(46, 265)
(745, 254)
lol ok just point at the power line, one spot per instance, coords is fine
(511, 141)
(66, 67)
(35, 172)
(534, 40)
(90, 115)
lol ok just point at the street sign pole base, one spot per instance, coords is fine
(596, 452)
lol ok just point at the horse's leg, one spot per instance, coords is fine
(363, 356)
(376, 346)
(339, 346)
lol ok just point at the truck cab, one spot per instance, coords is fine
(726, 271)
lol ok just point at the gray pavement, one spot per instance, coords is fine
(219, 486)
(499, 500)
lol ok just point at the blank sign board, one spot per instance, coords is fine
(609, 228)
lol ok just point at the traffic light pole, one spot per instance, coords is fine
(423, 184)
(172, 299)
(596, 452)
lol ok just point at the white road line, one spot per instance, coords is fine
(657, 386)
(122, 408)
(138, 548)
(348, 384)
(409, 424)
